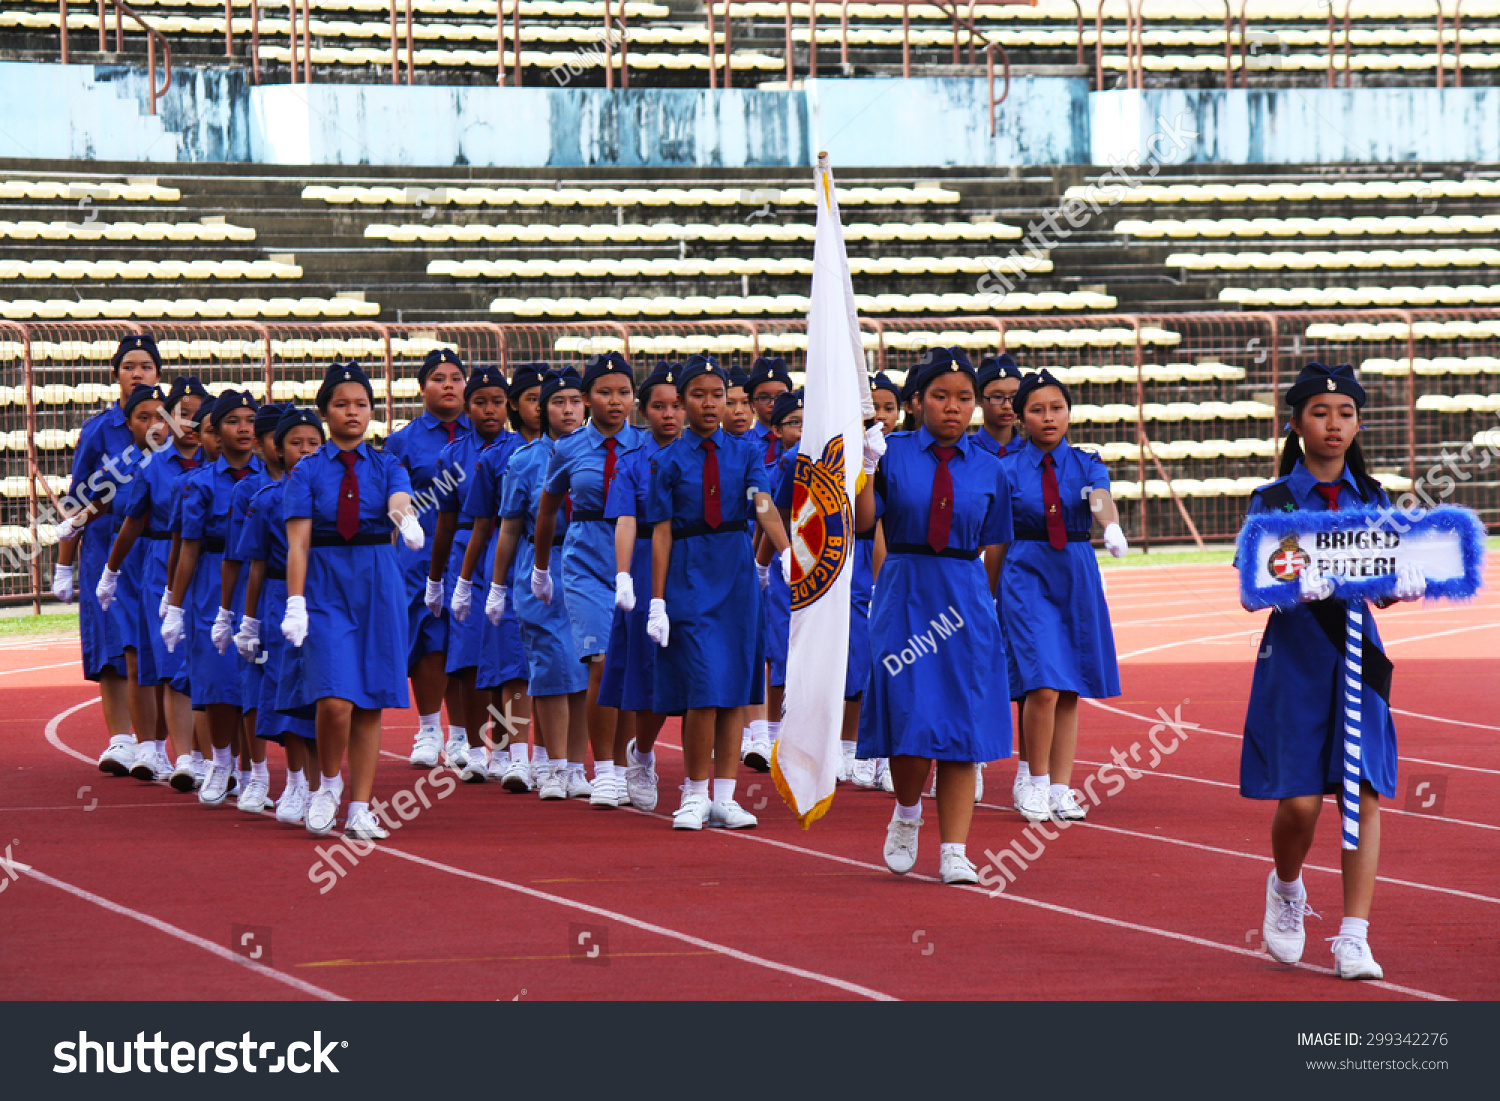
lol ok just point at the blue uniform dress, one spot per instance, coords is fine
(251, 672)
(417, 446)
(180, 680)
(1056, 619)
(102, 634)
(630, 660)
(356, 644)
(502, 657)
(154, 496)
(1294, 727)
(263, 539)
(131, 584)
(936, 688)
(716, 652)
(778, 594)
(214, 677)
(588, 553)
(553, 665)
(989, 443)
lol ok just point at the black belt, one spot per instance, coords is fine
(865, 536)
(583, 514)
(687, 531)
(373, 539)
(211, 544)
(156, 535)
(923, 548)
(1038, 535)
(557, 540)
(274, 574)
(465, 525)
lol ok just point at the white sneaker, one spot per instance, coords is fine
(758, 755)
(954, 868)
(847, 763)
(424, 748)
(456, 752)
(862, 775)
(578, 784)
(363, 825)
(883, 770)
(475, 769)
(200, 772)
(119, 756)
(322, 810)
(215, 785)
(183, 777)
(144, 765)
(1067, 807)
(1282, 928)
(729, 815)
(901, 844)
(537, 770)
(554, 784)
(1018, 789)
(691, 814)
(1035, 803)
(604, 792)
(1352, 959)
(622, 796)
(978, 781)
(640, 782)
(291, 808)
(256, 797)
(517, 776)
(498, 767)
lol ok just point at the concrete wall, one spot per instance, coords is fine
(70, 112)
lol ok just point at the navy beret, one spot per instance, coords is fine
(701, 365)
(786, 404)
(183, 386)
(882, 381)
(142, 342)
(143, 393)
(555, 382)
(337, 375)
(266, 417)
(665, 375)
(485, 378)
(935, 362)
(608, 363)
(765, 369)
(997, 367)
(436, 357)
(228, 402)
(291, 417)
(1316, 378)
(1035, 381)
(738, 376)
(527, 375)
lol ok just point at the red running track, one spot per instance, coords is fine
(132, 890)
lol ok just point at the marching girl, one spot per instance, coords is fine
(1294, 727)
(705, 606)
(558, 679)
(885, 395)
(485, 405)
(345, 606)
(441, 381)
(84, 537)
(786, 432)
(502, 670)
(253, 778)
(213, 678)
(768, 381)
(298, 434)
(583, 465)
(630, 660)
(944, 504)
(1056, 621)
(738, 413)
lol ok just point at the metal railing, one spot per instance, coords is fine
(153, 36)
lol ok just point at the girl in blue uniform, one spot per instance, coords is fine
(526, 400)
(1294, 728)
(885, 396)
(345, 606)
(934, 695)
(705, 609)
(1056, 621)
(298, 433)
(630, 661)
(558, 679)
(441, 381)
(738, 413)
(869, 553)
(213, 678)
(584, 464)
(485, 405)
(100, 466)
(786, 432)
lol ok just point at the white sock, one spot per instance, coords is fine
(723, 791)
(758, 728)
(909, 814)
(604, 770)
(953, 847)
(773, 731)
(1291, 890)
(431, 722)
(639, 758)
(223, 758)
(696, 787)
(1023, 772)
(539, 755)
(197, 758)
(518, 752)
(848, 748)
(295, 781)
(1355, 927)
(259, 771)
(1058, 790)
(334, 783)
(561, 766)
(458, 732)
(356, 807)
(1042, 782)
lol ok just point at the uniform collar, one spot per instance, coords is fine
(221, 464)
(926, 441)
(758, 430)
(1034, 453)
(115, 415)
(331, 450)
(596, 438)
(1302, 480)
(431, 421)
(695, 440)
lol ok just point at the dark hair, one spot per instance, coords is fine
(1354, 458)
(921, 394)
(546, 425)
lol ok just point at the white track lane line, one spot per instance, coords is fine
(37, 668)
(50, 732)
(1441, 634)
(1440, 719)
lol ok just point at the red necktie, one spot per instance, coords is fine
(450, 427)
(348, 515)
(568, 508)
(770, 449)
(188, 464)
(940, 515)
(609, 464)
(1057, 530)
(1329, 494)
(712, 513)
(240, 474)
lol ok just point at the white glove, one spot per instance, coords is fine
(874, 447)
(69, 527)
(105, 590)
(222, 633)
(658, 626)
(1314, 586)
(785, 558)
(541, 585)
(1114, 540)
(1410, 583)
(294, 622)
(764, 573)
(411, 532)
(62, 583)
(624, 592)
(463, 599)
(166, 599)
(494, 604)
(434, 597)
(247, 641)
(171, 628)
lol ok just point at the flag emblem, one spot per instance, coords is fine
(1289, 560)
(821, 523)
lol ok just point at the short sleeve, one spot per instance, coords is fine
(786, 480)
(445, 486)
(297, 498)
(174, 512)
(255, 532)
(398, 479)
(623, 491)
(137, 501)
(664, 478)
(86, 458)
(1095, 472)
(481, 497)
(559, 474)
(239, 507)
(997, 525)
(881, 486)
(756, 476)
(513, 496)
(196, 496)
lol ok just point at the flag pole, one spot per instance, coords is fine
(1354, 643)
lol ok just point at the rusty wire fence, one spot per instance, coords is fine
(1184, 408)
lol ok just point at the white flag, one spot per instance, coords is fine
(805, 759)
